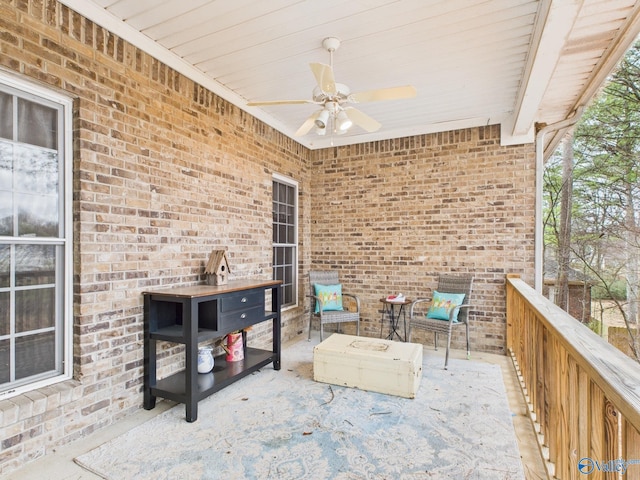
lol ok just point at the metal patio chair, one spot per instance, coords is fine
(328, 278)
(418, 320)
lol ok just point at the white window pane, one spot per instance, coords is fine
(6, 115)
(6, 166)
(6, 213)
(37, 215)
(4, 361)
(37, 124)
(5, 266)
(4, 315)
(288, 294)
(35, 264)
(35, 354)
(35, 170)
(35, 309)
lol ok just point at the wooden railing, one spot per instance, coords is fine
(583, 394)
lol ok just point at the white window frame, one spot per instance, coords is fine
(292, 183)
(64, 320)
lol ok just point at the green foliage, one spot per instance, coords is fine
(597, 327)
(616, 290)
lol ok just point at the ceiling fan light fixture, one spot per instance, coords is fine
(343, 121)
(323, 118)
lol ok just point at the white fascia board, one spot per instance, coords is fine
(544, 56)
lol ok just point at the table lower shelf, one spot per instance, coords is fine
(224, 373)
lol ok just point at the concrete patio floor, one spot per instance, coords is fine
(59, 464)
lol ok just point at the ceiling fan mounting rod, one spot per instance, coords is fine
(331, 44)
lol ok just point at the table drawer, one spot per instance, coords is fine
(239, 319)
(242, 301)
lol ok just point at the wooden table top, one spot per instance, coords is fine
(206, 290)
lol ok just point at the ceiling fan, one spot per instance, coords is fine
(335, 114)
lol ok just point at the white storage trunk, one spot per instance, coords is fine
(373, 364)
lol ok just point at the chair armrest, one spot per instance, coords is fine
(416, 302)
(355, 298)
(457, 309)
(319, 303)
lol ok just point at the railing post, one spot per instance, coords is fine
(511, 313)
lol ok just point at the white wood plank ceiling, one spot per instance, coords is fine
(472, 62)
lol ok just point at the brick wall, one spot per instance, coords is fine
(165, 171)
(392, 215)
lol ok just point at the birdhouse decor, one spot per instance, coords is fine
(217, 269)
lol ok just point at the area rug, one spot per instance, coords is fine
(283, 425)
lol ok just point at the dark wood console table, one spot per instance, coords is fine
(191, 315)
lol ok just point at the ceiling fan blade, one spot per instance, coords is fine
(324, 77)
(392, 93)
(362, 119)
(307, 125)
(278, 102)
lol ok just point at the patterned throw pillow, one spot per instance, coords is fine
(331, 296)
(443, 303)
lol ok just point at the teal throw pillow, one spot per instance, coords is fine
(443, 303)
(331, 296)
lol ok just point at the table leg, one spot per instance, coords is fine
(395, 319)
(392, 321)
(404, 319)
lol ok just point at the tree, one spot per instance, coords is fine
(564, 231)
(604, 233)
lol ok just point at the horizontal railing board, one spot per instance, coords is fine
(617, 375)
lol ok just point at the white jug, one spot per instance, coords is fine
(205, 359)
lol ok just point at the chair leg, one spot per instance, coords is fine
(446, 356)
(409, 333)
(321, 330)
(358, 328)
(310, 322)
(468, 346)
(435, 340)
(404, 318)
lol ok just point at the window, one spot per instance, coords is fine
(35, 237)
(285, 238)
